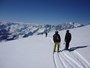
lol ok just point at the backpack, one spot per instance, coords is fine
(56, 38)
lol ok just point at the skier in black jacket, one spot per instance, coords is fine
(67, 39)
(57, 40)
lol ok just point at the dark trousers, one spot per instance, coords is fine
(67, 44)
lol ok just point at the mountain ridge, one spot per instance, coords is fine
(11, 31)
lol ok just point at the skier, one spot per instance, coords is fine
(46, 34)
(67, 39)
(57, 40)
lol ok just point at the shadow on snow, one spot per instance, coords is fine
(74, 48)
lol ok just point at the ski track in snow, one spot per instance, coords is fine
(69, 59)
(62, 60)
(82, 59)
(54, 61)
(73, 60)
(77, 57)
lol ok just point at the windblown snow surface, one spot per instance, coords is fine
(37, 51)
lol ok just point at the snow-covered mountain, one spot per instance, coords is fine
(11, 31)
(37, 51)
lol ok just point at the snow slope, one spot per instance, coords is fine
(31, 52)
(78, 56)
(36, 51)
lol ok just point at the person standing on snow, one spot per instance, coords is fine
(57, 40)
(67, 39)
(46, 34)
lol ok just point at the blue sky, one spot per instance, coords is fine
(45, 11)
